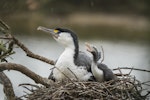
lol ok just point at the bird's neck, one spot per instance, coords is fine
(76, 52)
(68, 53)
(95, 57)
(72, 50)
(66, 58)
(74, 47)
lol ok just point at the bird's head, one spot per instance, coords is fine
(93, 50)
(63, 36)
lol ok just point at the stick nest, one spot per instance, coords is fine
(124, 88)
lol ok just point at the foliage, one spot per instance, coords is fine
(6, 46)
(6, 49)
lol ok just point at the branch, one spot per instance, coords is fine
(102, 53)
(38, 79)
(132, 69)
(6, 30)
(4, 25)
(8, 89)
(31, 54)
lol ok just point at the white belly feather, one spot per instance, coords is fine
(65, 63)
(97, 73)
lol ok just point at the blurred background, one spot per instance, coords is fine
(122, 28)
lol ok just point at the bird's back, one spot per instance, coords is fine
(108, 74)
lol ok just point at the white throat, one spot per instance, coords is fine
(65, 61)
(97, 73)
(67, 56)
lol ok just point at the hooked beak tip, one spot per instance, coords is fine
(50, 31)
(88, 47)
(39, 28)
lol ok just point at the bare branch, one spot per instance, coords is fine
(102, 54)
(22, 46)
(27, 72)
(28, 84)
(132, 69)
(73, 73)
(4, 25)
(7, 38)
(31, 54)
(64, 75)
(8, 89)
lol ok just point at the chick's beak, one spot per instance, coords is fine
(53, 32)
(89, 47)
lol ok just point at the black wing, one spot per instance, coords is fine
(108, 74)
(84, 60)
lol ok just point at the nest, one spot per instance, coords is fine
(124, 88)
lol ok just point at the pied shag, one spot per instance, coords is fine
(99, 70)
(72, 62)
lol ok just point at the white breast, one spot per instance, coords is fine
(97, 73)
(65, 63)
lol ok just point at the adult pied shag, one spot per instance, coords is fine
(100, 71)
(72, 62)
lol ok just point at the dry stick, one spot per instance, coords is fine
(132, 69)
(73, 73)
(32, 85)
(145, 82)
(102, 54)
(8, 89)
(123, 83)
(7, 38)
(137, 91)
(27, 72)
(5, 25)
(27, 89)
(65, 75)
(23, 47)
(31, 54)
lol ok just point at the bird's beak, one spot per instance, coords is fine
(47, 30)
(89, 47)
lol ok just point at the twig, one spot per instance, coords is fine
(102, 54)
(65, 75)
(4, 25)
(22, 46)
(36, 86)
(8, 89)
(7, 38)
(119, 74)
(132, 69)
(31, 54)
(73, 73)
(145, 82)
(27, 89)
(27, 72)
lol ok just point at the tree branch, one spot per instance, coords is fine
(38, 79)
(8, 89)
(132, 69)
(31, 54)
(6, 30)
